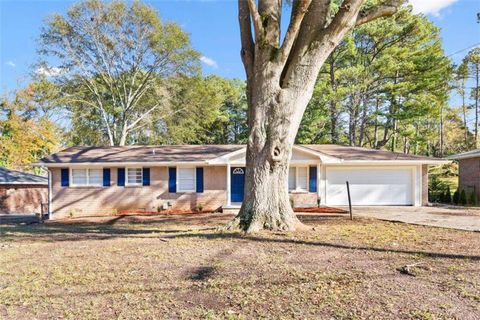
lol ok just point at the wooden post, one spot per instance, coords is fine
(349, 201)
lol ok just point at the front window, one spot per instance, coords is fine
(134, 176)
(87, 177)
(186, 179)
(291, 178)
(297, 179)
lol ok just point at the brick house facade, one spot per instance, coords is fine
(108, 180)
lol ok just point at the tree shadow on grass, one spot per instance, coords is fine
(212, 236)
(53, 232)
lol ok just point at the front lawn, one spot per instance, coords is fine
(182, 267)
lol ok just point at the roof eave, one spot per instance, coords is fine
(392, 162)
(118, 164)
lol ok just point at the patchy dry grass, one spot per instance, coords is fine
(182, 267)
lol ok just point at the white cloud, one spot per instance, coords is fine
(49, 71)
(209, 62)
(430, 6)
(11, 64)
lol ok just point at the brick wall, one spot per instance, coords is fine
(469, 175)
(20, 199)
(304, 199)
(105, 200)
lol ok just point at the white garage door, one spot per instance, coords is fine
(370, 186)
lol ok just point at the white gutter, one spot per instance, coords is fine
(389, 162)
(464, 156)
(49, 194)
(29, 183)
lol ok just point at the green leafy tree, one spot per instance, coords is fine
(470, 68)
(384, 86)
(27, 133)
(114, 63)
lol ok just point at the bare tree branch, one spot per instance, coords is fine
(257, 20)
(300, 9)
(384, 10)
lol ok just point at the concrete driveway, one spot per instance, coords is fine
(453, 218)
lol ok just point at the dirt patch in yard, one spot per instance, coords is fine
(181, 267)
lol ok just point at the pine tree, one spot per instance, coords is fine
(448, 196)
(456, 197)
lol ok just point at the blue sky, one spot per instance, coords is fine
(213, 28)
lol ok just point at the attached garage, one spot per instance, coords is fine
(373, 186)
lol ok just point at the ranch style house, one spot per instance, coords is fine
(102, 180)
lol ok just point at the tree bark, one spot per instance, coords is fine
(274, 118)
(280, 82)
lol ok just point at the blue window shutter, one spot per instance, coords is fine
(121, 177)
(65, 175)
(172, 180)
(146, 176)
(106, 177)
(200, 179)
(313, 179)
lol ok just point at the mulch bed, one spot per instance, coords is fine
(188, 212)
(154, 213)
(319, 210)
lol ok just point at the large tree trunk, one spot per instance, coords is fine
(273, 124)
(280, 81)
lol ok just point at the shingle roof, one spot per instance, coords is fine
(195, 153)
(17, 177)
(358, 153)
(182, 153)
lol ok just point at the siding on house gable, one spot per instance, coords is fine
(91, 200)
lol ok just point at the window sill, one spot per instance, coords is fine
(186, 191)
(134, 186)
(87, 187)
(298, 191)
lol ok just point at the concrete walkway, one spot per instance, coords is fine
(453, 218)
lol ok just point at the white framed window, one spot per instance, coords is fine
(134, 177)
(87, 177)
(186, 179)
(298, 179)
(292, 172)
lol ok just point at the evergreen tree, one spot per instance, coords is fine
(463, 198)
(448, 196)
(456, 197)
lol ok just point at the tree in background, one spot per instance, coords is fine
(384, 86)
(210, 110)
(27, 132)
(470, 69)
(461, 78)
(207, 110)
(114, 60)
